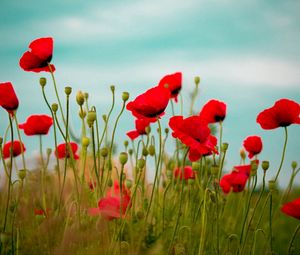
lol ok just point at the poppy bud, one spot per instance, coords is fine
(224, 147)
(80, 98)
(197, 80)
(110, 182)
(151, 150)
(148, 130)
(126, 143)
(86, 95)
(125, 96)
(68, 90)
(167, 130)
(141, 163)
(54, 107)
(214, 170)
(243, 154)
(43, 81)
(254, 167)
(265, 165)
(128, 184)
(104, 117)
(294, 165)
(123, 157)
(104, 152)
(112, 88)
(195, 166)
(22, 174)
(272, 185)
(130, 151)
(91, 117)
(145, 152)
(49, 151)
(82, 113)
(85, 141)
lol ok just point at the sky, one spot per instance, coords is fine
(246, 53)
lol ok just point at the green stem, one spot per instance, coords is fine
(43, 170)
(19, 136)
(283, 153)
(292, 240)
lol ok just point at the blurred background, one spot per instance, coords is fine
(246, 53)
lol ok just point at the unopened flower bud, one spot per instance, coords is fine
(85, 141)
(125, 96)
(243, 154)
(126, 143)
(254, 168)
(82, 113)
(167, 130)
(224, 147)
(123, 157)
(49, 151)
(43, 81)
(196, 166)
(80, 98)
(68, 90)
(294, 165)
(197, 80)
(141, 163)
(112, 88)
(91, 117)
(130, 151)
(104, 152)
(145, 152)
(109, 182)
(22, 174)
(265, 165)
(151, 150)
(54, 107)
(128, 183)
(272, 185)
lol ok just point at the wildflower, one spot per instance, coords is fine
(188, 173)
(213, 111)
(282, 114)
(62, 150)
(150, 104)
(253, 145)
(17, 148)
(39, 56)
(173, 82)
(140, 125)
(41, 212)
(8, 97)
(195, 134)
(292, 208)
(37, 125)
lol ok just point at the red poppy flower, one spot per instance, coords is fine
(17, 149)
(194, 133)
(174, 82)
(39, 56)
(292, 208)
(41, 212)
(109, 206)
(188, 173)
(37, 125)
(150, 104)
(63, 152)
(237, 179)
(253, 145)
(8, 97)
(140, 125)
(282, 114)
(213, 111)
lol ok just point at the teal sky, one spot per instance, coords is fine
(246, 52)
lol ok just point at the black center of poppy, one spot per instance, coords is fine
(219, 118)
(175, 91)
(45, 62)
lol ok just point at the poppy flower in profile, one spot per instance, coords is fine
(140, 125)
(292, 208)
(39, 56)
(62, 150)
(37, 125)
(110, 206)
(8, 97)
(253, 145)
(16, 146)
(194, 133)
(41, 212)
(237, 179)
(282, 114)
(174, 82)
(213, 111)
(150, 104)
(188, 173)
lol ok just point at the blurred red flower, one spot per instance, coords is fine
(63, 152)
(282, 114)
(195, 134)
(8, 97)
(237, 179)
(140, 125)
(188, 173)
(174, 82)
(41, 212)
(16, 146)
(37, 125)
(292, 208)
(39, 56)
(109, 206)
(253, 145)
(213, 111)
(150, 104)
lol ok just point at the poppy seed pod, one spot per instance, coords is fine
(272, 185)
(85, 141)
(243, 154)
(125, 96)
(104, 152)
(130, 151)
(265, 165)
(123, 157)
(68, 90)
(43, 81)
(141, 163)
(145, 152)
(91, 117)
(151, 150)
(224, 147)
(54, 107)
(22, 174)
(294, 165)
(128, 184)
(80, 98)
(197, 80)
(167, 130)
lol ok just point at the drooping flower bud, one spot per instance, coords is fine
(80, 98)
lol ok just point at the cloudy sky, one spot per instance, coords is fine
(246, 52)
